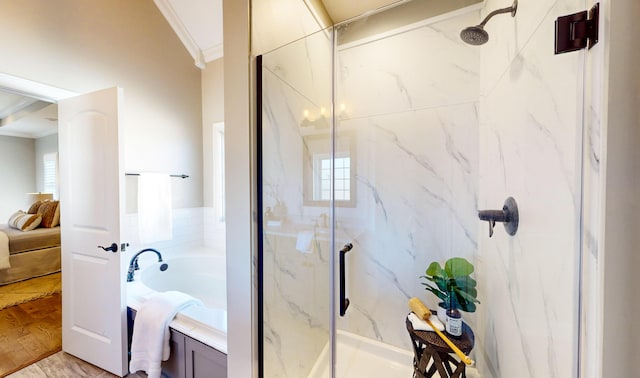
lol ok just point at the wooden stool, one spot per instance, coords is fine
(428, 346)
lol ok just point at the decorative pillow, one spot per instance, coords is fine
(34, 208)
(50, 213)
(23, 221)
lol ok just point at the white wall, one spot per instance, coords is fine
(239, 155)
(622, 174)
(212, 112)
(18, 172)
(84, 46)
(212, 150)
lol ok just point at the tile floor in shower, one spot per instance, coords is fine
(362, 357)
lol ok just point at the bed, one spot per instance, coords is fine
(31, 253)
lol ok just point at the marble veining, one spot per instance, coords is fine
(535, 144)
(416, 167)
(437, 136)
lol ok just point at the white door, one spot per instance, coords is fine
(93, 300)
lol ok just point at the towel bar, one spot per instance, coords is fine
(138, 174)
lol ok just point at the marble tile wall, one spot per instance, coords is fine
(411, 99)
(442, 129)
(530, 148)
(296, 78)
(415, 153)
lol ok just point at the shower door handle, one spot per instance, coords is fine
(344, 302)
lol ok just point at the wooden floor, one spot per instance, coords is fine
(63, 365)
(33, 331)
(29, 331)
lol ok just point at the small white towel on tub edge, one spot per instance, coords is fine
(150, 342)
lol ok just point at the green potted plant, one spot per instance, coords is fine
(453, 285)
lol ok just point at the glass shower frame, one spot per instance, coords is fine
(338, 218)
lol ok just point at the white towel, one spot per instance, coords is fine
(154, 207)
(150, 342)
(303, 242)
(4, 251)
(420, 325)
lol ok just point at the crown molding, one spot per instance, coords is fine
(181, 31)
(214, 52)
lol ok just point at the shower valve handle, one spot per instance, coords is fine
(508, 215)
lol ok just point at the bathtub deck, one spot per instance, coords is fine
(206, 325)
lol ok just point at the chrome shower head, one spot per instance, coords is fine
(476, 35)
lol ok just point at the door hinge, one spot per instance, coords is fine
(577, 31)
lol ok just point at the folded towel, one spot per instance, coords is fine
(304, 242)
(150, 342)
(154, 207)
(4, 251)
(420, 325)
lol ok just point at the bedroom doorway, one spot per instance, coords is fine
(30, 288)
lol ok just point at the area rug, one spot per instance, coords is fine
(30, 332)
(28, 290)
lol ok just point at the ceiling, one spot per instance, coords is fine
(340, 10)
(198, 24)
(26, 117)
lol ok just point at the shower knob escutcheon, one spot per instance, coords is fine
(508, 216)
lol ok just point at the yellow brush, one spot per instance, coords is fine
(424, 313)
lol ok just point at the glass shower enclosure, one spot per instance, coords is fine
(380, 139)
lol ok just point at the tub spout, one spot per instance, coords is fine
(133, 264)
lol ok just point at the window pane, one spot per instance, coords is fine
(50, 174)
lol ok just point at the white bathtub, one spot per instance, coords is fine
(201, 276)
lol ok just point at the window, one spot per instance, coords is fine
(318, 171)
(50, 178)
(322, 177)
(219, 133)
